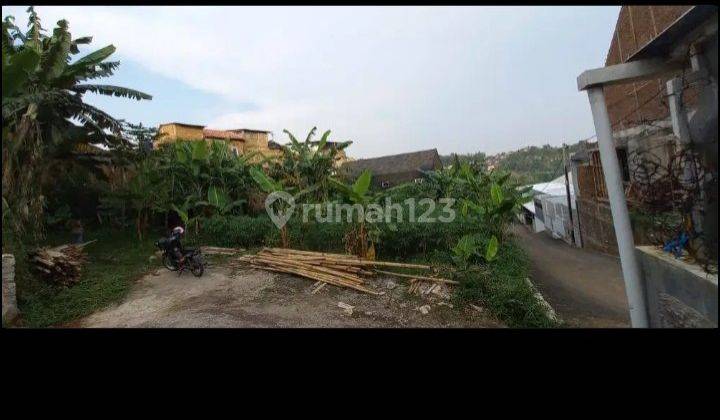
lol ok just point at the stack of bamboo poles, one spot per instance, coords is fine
(216, 250)
(338, 269)
(60, 265)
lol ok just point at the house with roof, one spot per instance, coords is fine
(393, 170)
(548, 210)
(240, 141)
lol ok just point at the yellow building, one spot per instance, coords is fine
(240, 141)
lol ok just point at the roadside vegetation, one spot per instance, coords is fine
(127, 194)
(115, 261)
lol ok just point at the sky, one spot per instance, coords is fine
(391, 79)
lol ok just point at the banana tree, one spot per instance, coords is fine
(44, 115)
(270, 186)
(280, 206)
(492, 201)
(309, 163)
(183, 211)
(470, 247)
(57, 83)
(219, 200)
(360, 240)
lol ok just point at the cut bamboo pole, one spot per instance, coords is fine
(338, 269)
(435, 279)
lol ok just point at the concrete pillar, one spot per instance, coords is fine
(9, 301)
(618, 207)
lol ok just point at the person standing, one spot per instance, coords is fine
(76, 230)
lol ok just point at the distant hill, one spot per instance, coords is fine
(528, 165)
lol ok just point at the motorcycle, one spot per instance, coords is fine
(193, 258)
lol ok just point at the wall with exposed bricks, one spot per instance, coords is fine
(631, 104)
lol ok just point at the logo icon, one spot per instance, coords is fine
(282, 213)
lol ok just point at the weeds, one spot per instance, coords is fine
(501, 287)
(115, 261)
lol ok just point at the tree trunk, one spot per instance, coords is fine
(284, 237)
(362, 237)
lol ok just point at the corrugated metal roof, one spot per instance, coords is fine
(530, 205)
(554, 187)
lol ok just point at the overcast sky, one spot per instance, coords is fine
(392, 79)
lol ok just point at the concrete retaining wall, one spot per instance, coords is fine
(677, 294)
(9, 301)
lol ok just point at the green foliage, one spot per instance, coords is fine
(237, 231)
(266, 183)
(501, 287)
(358, 192)
(139, 136)
(492, 249)
(43, 74)
(477, 158)
(307, 165)
(280, 206)
(44, 115)
(59, 217)
(220, 200)
(489, 198)
(471, 248)
(115, 261)
(529, 165)
(189, 178)
(401, 239)
(144, 193)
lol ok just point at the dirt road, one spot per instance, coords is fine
(585, 288)
(251, 298)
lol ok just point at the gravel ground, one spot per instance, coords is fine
(223, 297)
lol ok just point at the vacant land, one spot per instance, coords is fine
(224, 297)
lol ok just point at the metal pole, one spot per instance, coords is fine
(567, 192)
(618, 206)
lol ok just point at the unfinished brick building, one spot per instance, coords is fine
(640, 118)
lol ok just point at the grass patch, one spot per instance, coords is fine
(115, 261)
(501, 287)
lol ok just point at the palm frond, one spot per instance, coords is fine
(94, 58)
(112, 91)
(89, 114)
(54, 61)
(310, 135)
(82, 40)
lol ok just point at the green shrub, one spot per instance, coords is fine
(410, 238)
(236, 231)
(115, 261)
(315, 236)
(502, 288)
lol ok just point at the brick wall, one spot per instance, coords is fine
(168, 133)
(255, 141)
(631, 104)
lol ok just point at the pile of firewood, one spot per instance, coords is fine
(338, 269)
(60, 265)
